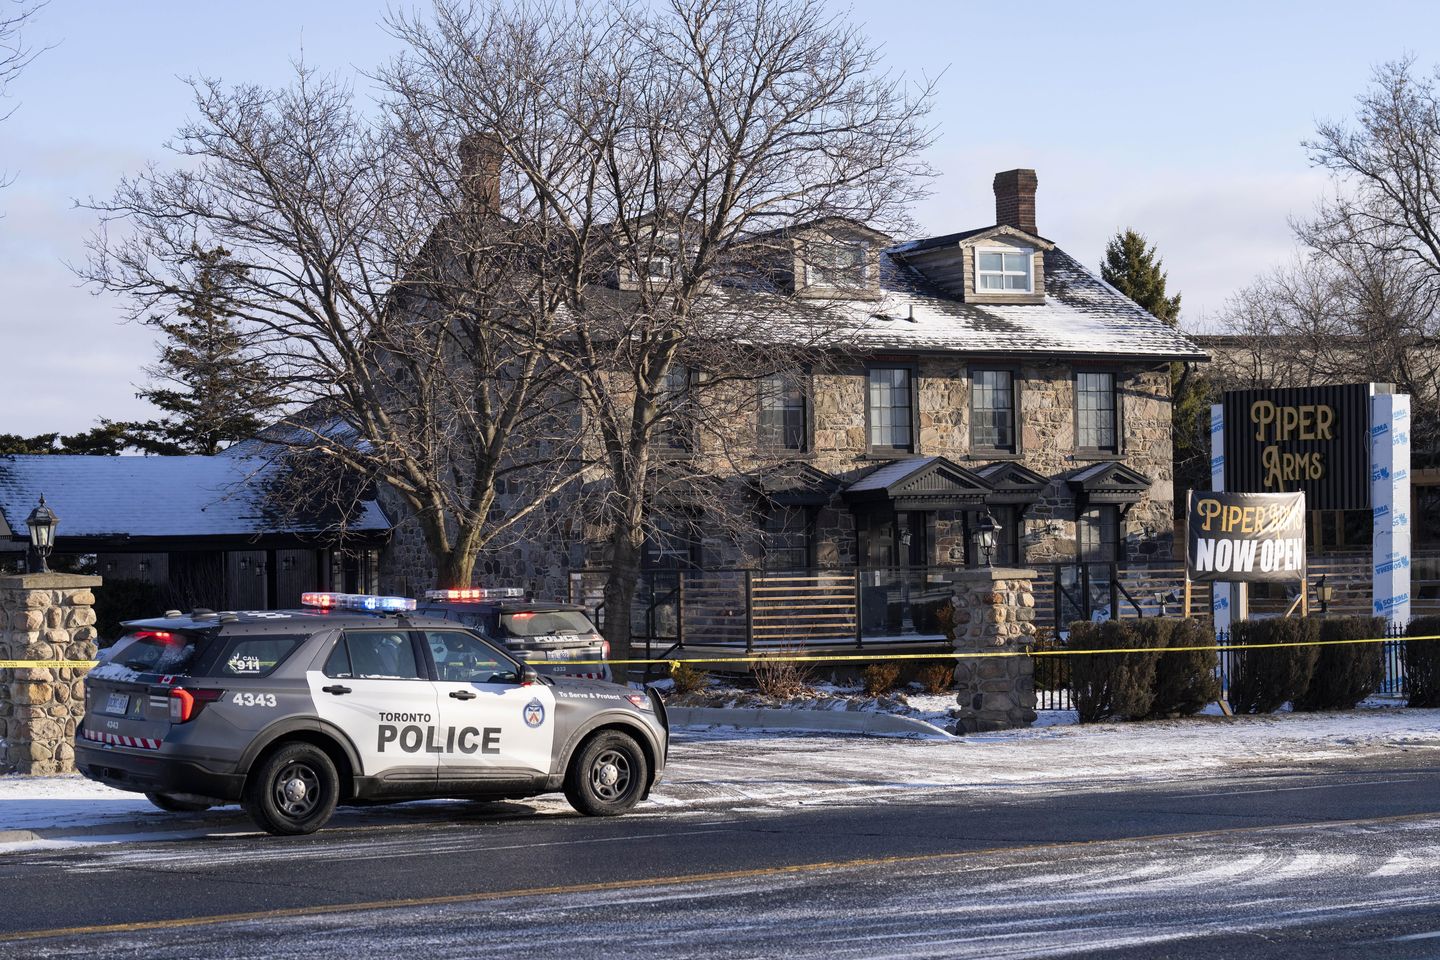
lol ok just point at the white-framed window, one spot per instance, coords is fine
(837, 264)
(1005, 270)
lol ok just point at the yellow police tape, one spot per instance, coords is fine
(838, 658)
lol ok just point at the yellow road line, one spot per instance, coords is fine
(692, 878)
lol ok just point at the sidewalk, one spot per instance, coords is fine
(726, 766)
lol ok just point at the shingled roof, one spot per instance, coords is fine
(161, 497)
(1081, 316)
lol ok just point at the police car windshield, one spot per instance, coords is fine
(544, 623)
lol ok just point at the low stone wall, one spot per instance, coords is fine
(994, 613)
(43, 616)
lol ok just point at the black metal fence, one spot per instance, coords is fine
(1052, 674)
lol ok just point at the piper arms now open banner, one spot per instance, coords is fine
(1246, 537)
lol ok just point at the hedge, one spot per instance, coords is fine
(1422, 663)
(1108, 686)
(1185, 680)
(1263, 680)
(1345, 674)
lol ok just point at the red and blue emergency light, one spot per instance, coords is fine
(323, 600)
(476, 594)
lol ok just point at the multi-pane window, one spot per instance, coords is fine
(1099, 534)
(992, 410)
(836, 264)
(782, 412)
(676, 428)
(1096, 425)
(787, 538)
(1003, 270)
(891, 420)
(672, 544)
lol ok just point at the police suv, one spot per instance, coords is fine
(353, 699)
(558, 639)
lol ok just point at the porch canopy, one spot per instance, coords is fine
(918, 483)
(1012, 484)
(1107, 483)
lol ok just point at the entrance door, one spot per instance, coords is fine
(373, 687)
(496, 730)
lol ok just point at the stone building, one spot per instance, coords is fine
(984, 371)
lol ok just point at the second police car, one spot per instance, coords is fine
(353, 699)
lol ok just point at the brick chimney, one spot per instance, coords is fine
(1015, 199)
(480, 156)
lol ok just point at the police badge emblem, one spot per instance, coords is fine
(534, 713)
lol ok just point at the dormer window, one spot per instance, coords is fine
(1007, 270)
(837, 265)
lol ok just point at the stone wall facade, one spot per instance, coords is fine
(43, 616)
(542, 555)
(994, 613)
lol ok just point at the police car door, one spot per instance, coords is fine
(374, 687)
(494, 727)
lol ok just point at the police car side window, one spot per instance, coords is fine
(380, 655)
(338, 665)
(464, 658)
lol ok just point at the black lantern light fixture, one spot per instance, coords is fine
(41, 522)
(985, 536)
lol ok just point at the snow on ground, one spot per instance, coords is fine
(735, 767)
(721, 766)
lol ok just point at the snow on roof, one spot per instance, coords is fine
(158, 497)
(882, 477)
(1081, 315)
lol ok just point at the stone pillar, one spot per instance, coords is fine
(994, 613)
(43, 616)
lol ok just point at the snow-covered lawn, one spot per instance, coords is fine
(734, 767)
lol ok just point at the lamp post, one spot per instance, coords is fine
(985, 536)
(41, 523)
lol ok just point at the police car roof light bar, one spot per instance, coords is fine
(324, 600)
(477, 593)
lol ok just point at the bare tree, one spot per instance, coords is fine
(15, 55)
(369, 266)
(673, 148)
(1360, 303)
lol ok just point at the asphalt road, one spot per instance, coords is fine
(1315, 863)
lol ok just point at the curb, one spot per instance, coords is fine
(814, 721)
(19, 836)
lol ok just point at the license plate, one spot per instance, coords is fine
(118, 704)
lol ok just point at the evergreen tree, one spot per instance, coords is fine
(106, 439)
(211, 386)
(1132, 267)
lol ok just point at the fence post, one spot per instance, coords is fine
(749, 611)
(1114, 590)
(859, 615)
(1057, 601)
(680, 609)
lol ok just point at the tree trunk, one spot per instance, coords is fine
(620, 584)
(454, 568)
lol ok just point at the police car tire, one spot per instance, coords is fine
(585, 780)
(301, 762)
(175, 805)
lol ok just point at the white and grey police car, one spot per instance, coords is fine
(353, 699)
(557, 639)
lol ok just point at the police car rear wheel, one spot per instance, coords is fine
(175, 805)
(607, 775)
(293, 791)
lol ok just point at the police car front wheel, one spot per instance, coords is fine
(293, 791)
(607, 776)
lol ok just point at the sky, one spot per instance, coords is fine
(1182, 120)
